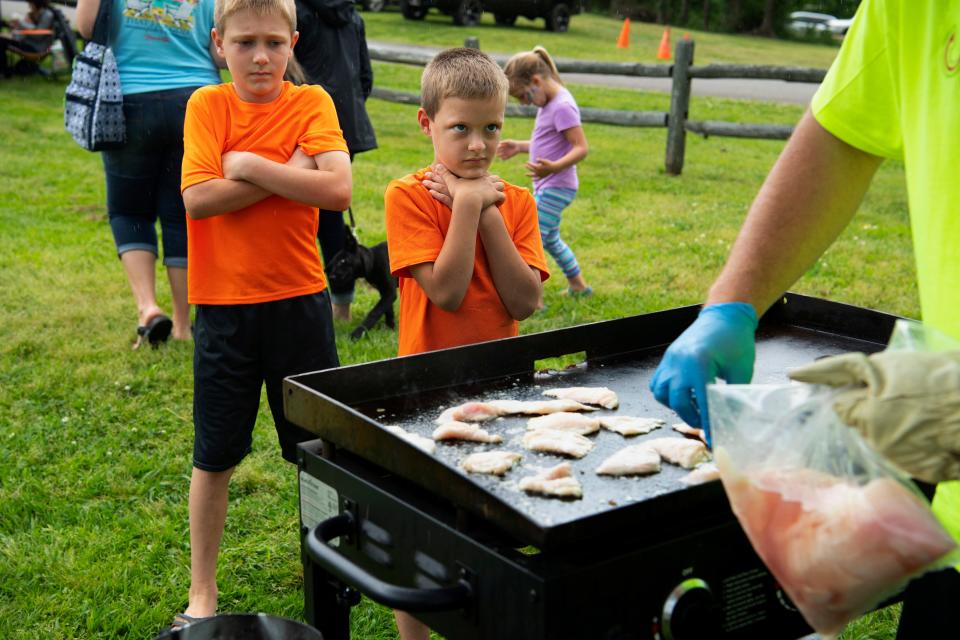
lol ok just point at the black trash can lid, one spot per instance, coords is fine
(243, 626)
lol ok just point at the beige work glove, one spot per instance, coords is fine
(906, 404)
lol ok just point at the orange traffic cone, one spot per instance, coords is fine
(663, 53)
(624, 40)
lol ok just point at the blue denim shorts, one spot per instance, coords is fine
(143, 178)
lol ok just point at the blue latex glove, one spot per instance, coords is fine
(720, 343)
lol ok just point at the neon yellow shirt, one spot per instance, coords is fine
(894, 91)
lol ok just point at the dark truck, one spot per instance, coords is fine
(555, 13)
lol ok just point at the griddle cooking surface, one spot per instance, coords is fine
(350, 406)
(778, 349)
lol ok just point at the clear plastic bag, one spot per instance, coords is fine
(840, 528)
(910, 335)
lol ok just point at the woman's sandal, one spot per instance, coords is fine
(157, 330)
(181, 620)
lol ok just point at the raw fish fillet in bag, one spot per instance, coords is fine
(837, 526)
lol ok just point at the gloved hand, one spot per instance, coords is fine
(906, 404)
(720, 343)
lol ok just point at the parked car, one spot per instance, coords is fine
(839, 26)
(555, 13)
(810, 24)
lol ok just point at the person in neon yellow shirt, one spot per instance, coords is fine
(893, 92)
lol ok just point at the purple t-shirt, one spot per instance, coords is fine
(548, 142)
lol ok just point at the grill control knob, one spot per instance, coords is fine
(690, 612)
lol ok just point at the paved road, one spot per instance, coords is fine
(769, 90)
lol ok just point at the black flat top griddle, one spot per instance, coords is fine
(350, 406)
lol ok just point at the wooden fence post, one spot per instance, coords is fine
(679, 107)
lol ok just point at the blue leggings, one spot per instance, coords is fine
(550, 205)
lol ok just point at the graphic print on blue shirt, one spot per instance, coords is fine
(176, 14)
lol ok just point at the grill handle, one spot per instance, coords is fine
(450, 598)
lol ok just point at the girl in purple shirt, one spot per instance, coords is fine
(555, 147)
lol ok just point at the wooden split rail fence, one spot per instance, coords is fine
(677, 122)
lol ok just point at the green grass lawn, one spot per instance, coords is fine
(95, 439)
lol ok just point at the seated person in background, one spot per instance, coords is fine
(28, 45)
(464, 244)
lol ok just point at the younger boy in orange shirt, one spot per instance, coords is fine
(260, 157)
(464, 244)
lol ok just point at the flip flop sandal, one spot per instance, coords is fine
(157, 330)
(181, 620)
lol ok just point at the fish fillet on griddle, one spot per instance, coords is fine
(483, 411)
(601, 396)
(689, 432)
(706, 472)
(416, 440)
(680, 451)
(564, 443)
(469, 412)
(494, 463)
(454, 430)
(630, 425)
(556, 481)
(637, 459)
(566, 421)
(538, 407)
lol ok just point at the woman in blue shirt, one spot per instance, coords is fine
(164, 53)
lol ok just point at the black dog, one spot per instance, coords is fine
(373, 265)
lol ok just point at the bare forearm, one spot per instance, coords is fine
(218, 196)
(446, 280)
(518, 285)
(578, 148)
(86, 16)
(809, 197)
(521, 146)
(572, 157)
(314, 187)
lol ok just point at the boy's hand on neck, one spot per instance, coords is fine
(437, 188)
(445, 186)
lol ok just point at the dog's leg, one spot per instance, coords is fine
(377, 273)
(388, 318)
(383, 307)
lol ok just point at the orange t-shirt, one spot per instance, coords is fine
(416, 228)
(267, 251)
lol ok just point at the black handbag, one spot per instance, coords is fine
(93, 105)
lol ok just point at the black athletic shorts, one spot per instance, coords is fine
(238, 348)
